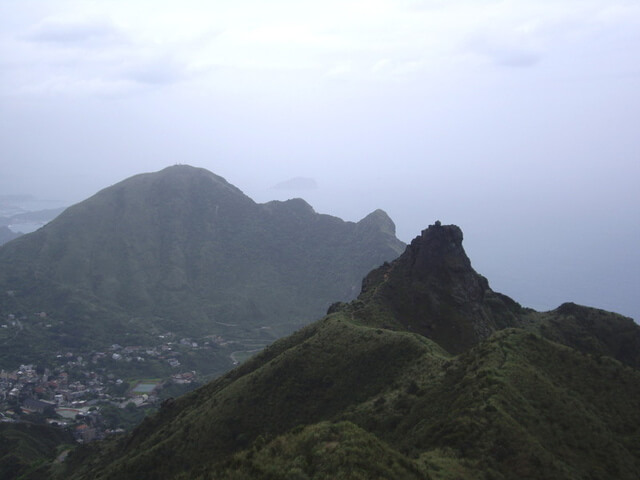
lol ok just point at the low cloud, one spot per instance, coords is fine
(506, 49)
(75, 32)
(155, 71)
(514, 58)
(94, 56)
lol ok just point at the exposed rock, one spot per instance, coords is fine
(434, 291)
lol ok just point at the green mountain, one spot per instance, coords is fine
(428, 374)
(25, 447)
(180, 251)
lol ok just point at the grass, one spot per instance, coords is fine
(517, 405)
(26, 448)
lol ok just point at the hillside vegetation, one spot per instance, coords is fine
(428, 374)
(26, 447)
(181, 251)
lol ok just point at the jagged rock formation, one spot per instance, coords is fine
(433, 290)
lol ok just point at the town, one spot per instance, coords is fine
(88, 392)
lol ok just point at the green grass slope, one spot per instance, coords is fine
(311, 376)
(515, 406)
(26, 449)
(519, 406)
(592, 331)
(335, 450)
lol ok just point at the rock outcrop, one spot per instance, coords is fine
(434, 291)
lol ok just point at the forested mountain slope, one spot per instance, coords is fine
(182, 251)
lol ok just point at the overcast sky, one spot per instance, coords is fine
(517, 120)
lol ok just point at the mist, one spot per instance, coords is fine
(516, 121)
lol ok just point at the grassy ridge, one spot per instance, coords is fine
(517, 405)
(324, 450)
(313, 380)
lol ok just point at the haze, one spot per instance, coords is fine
(517, 120)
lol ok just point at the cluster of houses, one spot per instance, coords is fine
(73, 389)
(72, 393)
(32, 393)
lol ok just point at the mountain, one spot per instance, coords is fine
(25, 447)
(6, 234)
(427, 374)
(434, 291)
(180, 251)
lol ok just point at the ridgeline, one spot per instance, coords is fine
(428, 374)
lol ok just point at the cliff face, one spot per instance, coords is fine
(432, 289)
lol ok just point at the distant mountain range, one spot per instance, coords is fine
(22, 221)
(428, 374)
(6, 234)
(181, 251)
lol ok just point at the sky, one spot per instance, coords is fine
(519, 121)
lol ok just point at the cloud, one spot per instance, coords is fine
(513, 58)
(388, 68)
(339, 43)
(91, 55)
(75, 31)
(517, 45)
(156, 70)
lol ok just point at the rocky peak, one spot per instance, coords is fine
(433, 290)
(438, 250)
